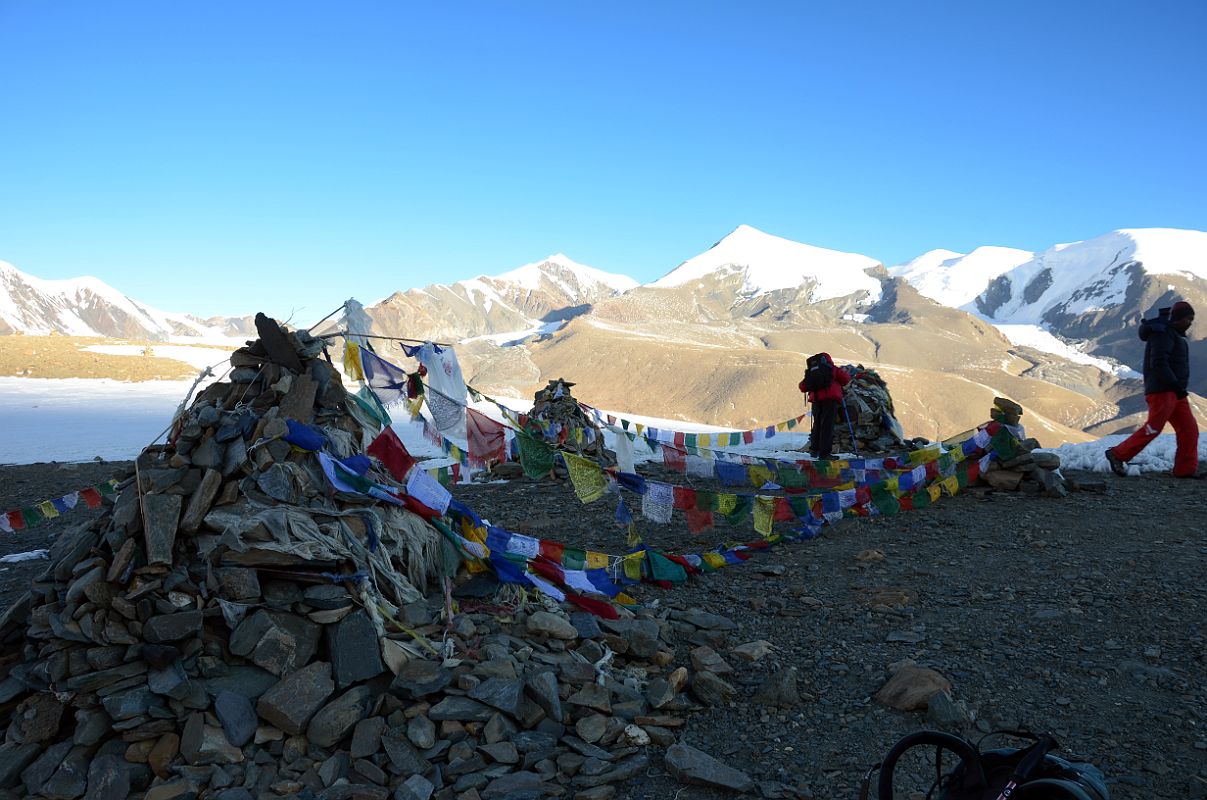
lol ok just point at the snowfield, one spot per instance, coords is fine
(80, 419)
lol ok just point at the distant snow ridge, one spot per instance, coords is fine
(955, 279)
(1092, 275)
(84, 306)
(770, 263)
(529, 276)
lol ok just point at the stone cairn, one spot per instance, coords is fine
(554, 405)
(1031, 471)
(870, 407)
(230, 628)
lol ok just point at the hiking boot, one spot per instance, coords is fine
(1195, 476)
(1117, 466)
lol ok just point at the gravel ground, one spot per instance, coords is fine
(1081, 616)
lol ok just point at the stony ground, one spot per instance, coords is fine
(1081, 616)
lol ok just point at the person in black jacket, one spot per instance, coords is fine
(1166, 376)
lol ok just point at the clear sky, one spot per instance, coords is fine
(226, 157)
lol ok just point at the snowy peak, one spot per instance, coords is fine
(561, 268)
(1093, 275)
(85, 306)
(519, 301)
(955, 279)
(769, 263)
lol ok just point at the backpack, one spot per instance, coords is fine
(819, 373)
(995, 774)
(1157, 324)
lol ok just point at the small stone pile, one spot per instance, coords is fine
(1031, 471)
(555, 409)
(231, 628)
(870, 409)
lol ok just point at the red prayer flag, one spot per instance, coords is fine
(16, 521)
(91, 497)
(389, 450)
(487, 438)
(698, 520)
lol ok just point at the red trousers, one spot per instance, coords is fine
(1166, 407)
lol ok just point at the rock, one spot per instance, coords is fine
(161, 517)
(37, 719)
(753, 651)
(418, 679)
(705, 620)
(405, 759)
(421, 732)
(43, 767)
(711, 690)
(1003, 479)
(542, 687)
(238, 717)
(173, 627)
(200, 502)
(705, 659)
(513, 784)
(501, 752)
(202, 744)
(592, 696)
(551, 625)
(366, 738)
(163, 753)
(71, 778)
(634, 736)
(175, 790)
(108, 779)
(778, 689)
(642, 637)
(293, 701)
(461, 709)
(591, 727)
(911, 687)
(585, 625)
(945, 713)
(336, 719)
(689, 765)
(278, 642)
(501, 693)
(238, 583)
(1046, 460)
(355, 649)
(415, 787)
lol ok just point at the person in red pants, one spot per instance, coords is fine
(1166, 376)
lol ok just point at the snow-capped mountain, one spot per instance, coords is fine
(86, 306)
(770, 263)
(522, 300)
(955, 279)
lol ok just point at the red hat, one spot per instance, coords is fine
(1180, 310)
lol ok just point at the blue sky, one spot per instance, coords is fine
(228, 157)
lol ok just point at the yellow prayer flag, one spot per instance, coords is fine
(764, 514)
(924, 456)
(726, 503)
(758, 474)
(597, 560)
(714, 560)
(934, 490)
(352, 361)
(640, 429)
(588, 479)
(632, 565)
(952, 485)
(704, 439)
(48, 510)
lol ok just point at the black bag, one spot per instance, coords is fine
(819, 373)
(1024, 772)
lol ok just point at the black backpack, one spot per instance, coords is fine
(1023, 772)
(819, 372)
(1157, 324)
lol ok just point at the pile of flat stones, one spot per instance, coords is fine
(868, 412)
(554, 406)
(1032, 471)
(174, 650)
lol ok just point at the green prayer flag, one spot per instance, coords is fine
(574, 558)
(536, 457)
(663, 569)
(740, 511)
(105, 488)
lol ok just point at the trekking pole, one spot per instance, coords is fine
(850, 427)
